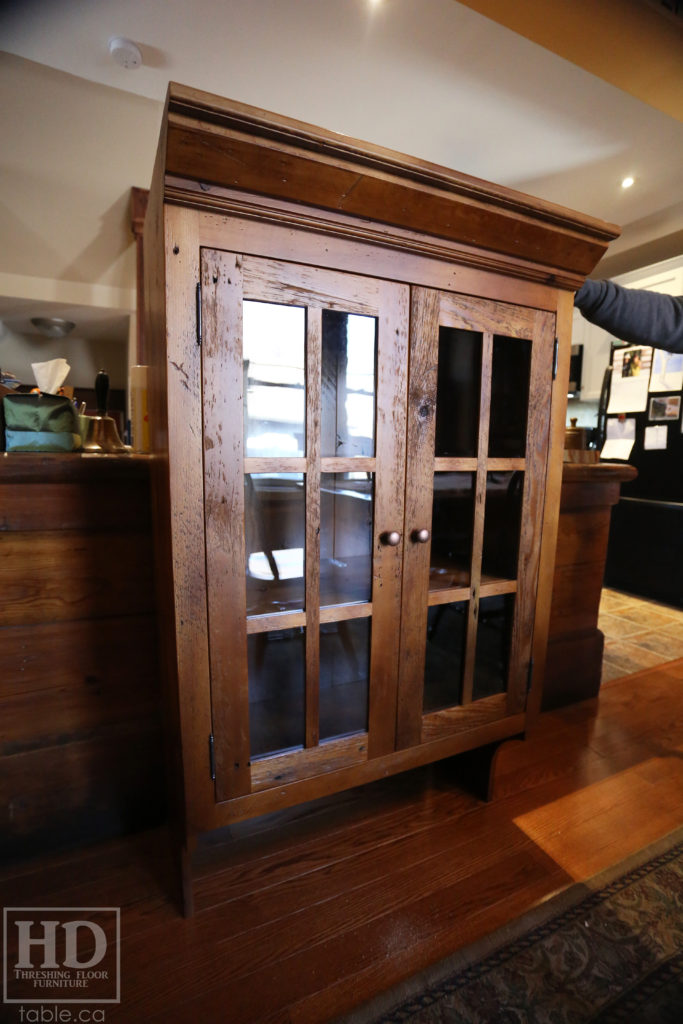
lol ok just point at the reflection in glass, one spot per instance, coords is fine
(457, 393)
(344, 671)
(274, 350)
(348, 384)
(274, 516)
(445, 655)
(509, 397)
(452, 524)
(493, 645)
(502, 517)
(276, 690)
(346, 513)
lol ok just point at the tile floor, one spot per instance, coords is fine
(638, 633)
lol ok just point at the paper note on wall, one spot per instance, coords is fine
(619, 439)
(655, 438)
(630, 379)
(667, 371)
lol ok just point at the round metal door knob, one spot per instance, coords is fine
(391, 539)
(421, 536)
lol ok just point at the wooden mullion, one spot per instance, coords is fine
(345, 612)
(479, 509)
(274, 464)
(451, 464)
(312, 556)
(275, 620)
(352, 464)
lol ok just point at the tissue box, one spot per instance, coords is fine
(40, 423)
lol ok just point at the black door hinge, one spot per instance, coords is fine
(212, 760)
(556, 352)
(529, 675)
(199, 312)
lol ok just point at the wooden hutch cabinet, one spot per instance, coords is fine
(359, 368)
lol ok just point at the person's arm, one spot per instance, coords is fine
(633, 314)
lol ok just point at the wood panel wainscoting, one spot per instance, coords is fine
(81, 751)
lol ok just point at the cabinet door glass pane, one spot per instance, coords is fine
(457, 392)
(274, 505)
(274, 352)
(344, 671)
(501, 524)
(276, 690)
(445, 653)
(348, 384)
(346, 513)
(493, 645)
(509, 397)
(452, 524)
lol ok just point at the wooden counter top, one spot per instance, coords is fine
(71, 467)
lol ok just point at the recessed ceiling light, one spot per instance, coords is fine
(53, 326)
(627, 182)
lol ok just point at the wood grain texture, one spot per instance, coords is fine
(356, 774)
(551, 506)
(575, 644)
(326, 757)
(223, 415)
(314, 334)
(47, 577)
(187, 631)
(527, 640)
(392, 359)
(79, 647)
(83, 790)
(307, 210)
(275, 156)
(423, 360)
(478, 525)
(290, 231)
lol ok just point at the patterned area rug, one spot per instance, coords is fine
(608, 951)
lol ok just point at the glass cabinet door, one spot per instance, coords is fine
(304, 377)
(478, 417)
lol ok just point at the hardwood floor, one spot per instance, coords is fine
(306, 914)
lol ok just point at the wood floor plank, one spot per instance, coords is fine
(310, 912)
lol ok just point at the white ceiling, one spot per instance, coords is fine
(431, 78)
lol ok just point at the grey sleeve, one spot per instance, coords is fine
(633, 314)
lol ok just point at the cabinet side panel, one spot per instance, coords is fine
(551, 511)
(186, 485)
(532, 516)
(223, 398)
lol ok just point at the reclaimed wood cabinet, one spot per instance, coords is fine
(358, 394)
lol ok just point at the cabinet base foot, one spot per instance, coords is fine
(474, 770)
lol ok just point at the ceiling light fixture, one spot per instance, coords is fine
(627, 182)
(53, 326)
(125, 52)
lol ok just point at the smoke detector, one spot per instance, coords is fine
(125, 52)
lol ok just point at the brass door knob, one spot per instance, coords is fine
(420, 536)
(391, 539)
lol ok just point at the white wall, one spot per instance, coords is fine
(85, 357)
